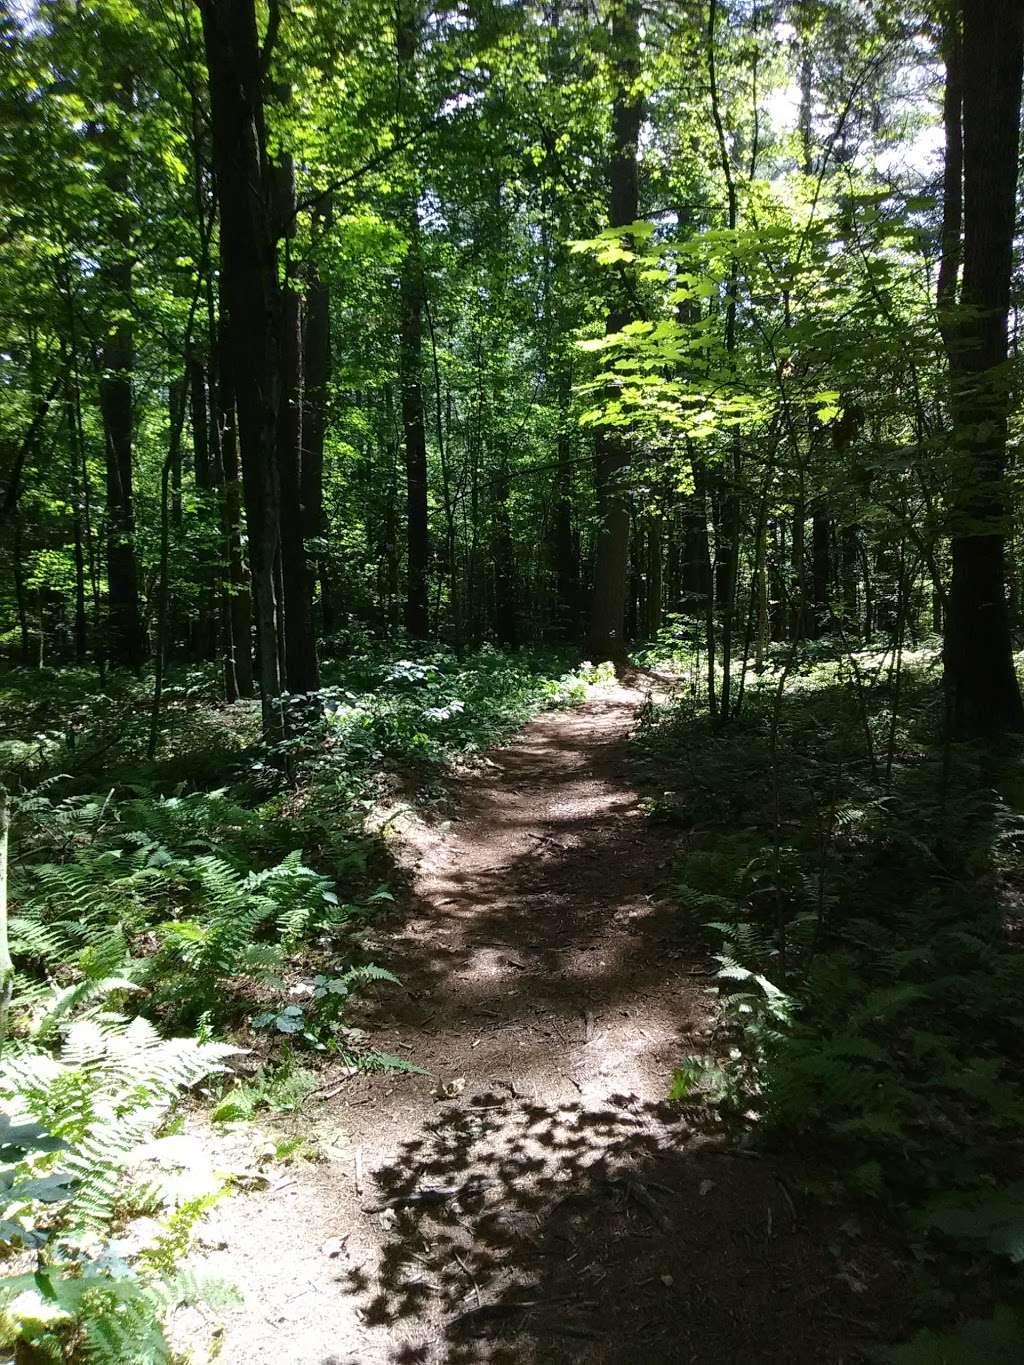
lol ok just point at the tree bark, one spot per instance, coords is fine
(250, 295)
(821, 567)
(417, 607)
(237, 605)
(653, 595)
(316, 363)
(612, 455)
(410, 354)
(301, 670)
(565, 544)
(982, 689)
(126, 644)
(204, 629)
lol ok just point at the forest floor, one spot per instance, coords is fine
(535, 1197)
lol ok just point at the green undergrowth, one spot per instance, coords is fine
(859, 885)
(168, 914)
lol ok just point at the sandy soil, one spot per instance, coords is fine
(535, 1198)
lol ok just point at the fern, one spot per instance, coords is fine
(299, 894)
(111, 1319)
(104, 1094)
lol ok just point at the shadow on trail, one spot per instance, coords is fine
(516, 1231)
(528, 1224)
(547, 897)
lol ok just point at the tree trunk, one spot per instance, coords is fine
(983, 694)
(127, 643)
(821, 568)
(652, 602)
(759, 587)
(81, 626)
(316, 361)
(204, 631)
(612, 460)
(417, 607)
(565, 545)
(410, 357)
(249, 274)
(17, 554)
(797, 622)
(301, 671)
(506, 579)
(848, 542)
(696, 555)
(237, 606)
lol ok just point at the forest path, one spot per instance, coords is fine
(535, 1198)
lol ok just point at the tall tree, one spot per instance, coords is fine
(983, 692)
(127, 644)
(248, 259)
(612, 458)
(316, 365)
(410, 356)
(301, 669)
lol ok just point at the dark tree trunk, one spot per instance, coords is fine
(126, 643)
(565, 544)
(797, 621)
(74, 480)
(848, 541)
(176, 397)
(204, 631)
(250, 293)
(984, 696)
(821, 569)
(506, 579)
(612, 456)
(17, 555)
(316, 343)
(696, 557)
(301, 671)
(777, 603)
(868, 579)
(635, 583)
(417, 606)
(652, 598)
(410, 356)
(237, 605)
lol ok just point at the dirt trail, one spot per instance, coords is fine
(551, 1206)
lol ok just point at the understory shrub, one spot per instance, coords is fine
(856, 883)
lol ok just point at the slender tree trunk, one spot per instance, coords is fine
(81, 631)
(759, 588)
(127, 643)
(797, 622)
(20, 604)
(301, 669)
(204, 632)
(410, 356)
(848, 542)
(612, 456)
(565, 546)
(729, 524)
(821, 568)
(652, 601)
(984, 696)
(249, 273)
(506, 578)
(417, 606)
(237, 606)
(316, 342)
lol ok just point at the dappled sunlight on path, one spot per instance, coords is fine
(535, 1198)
